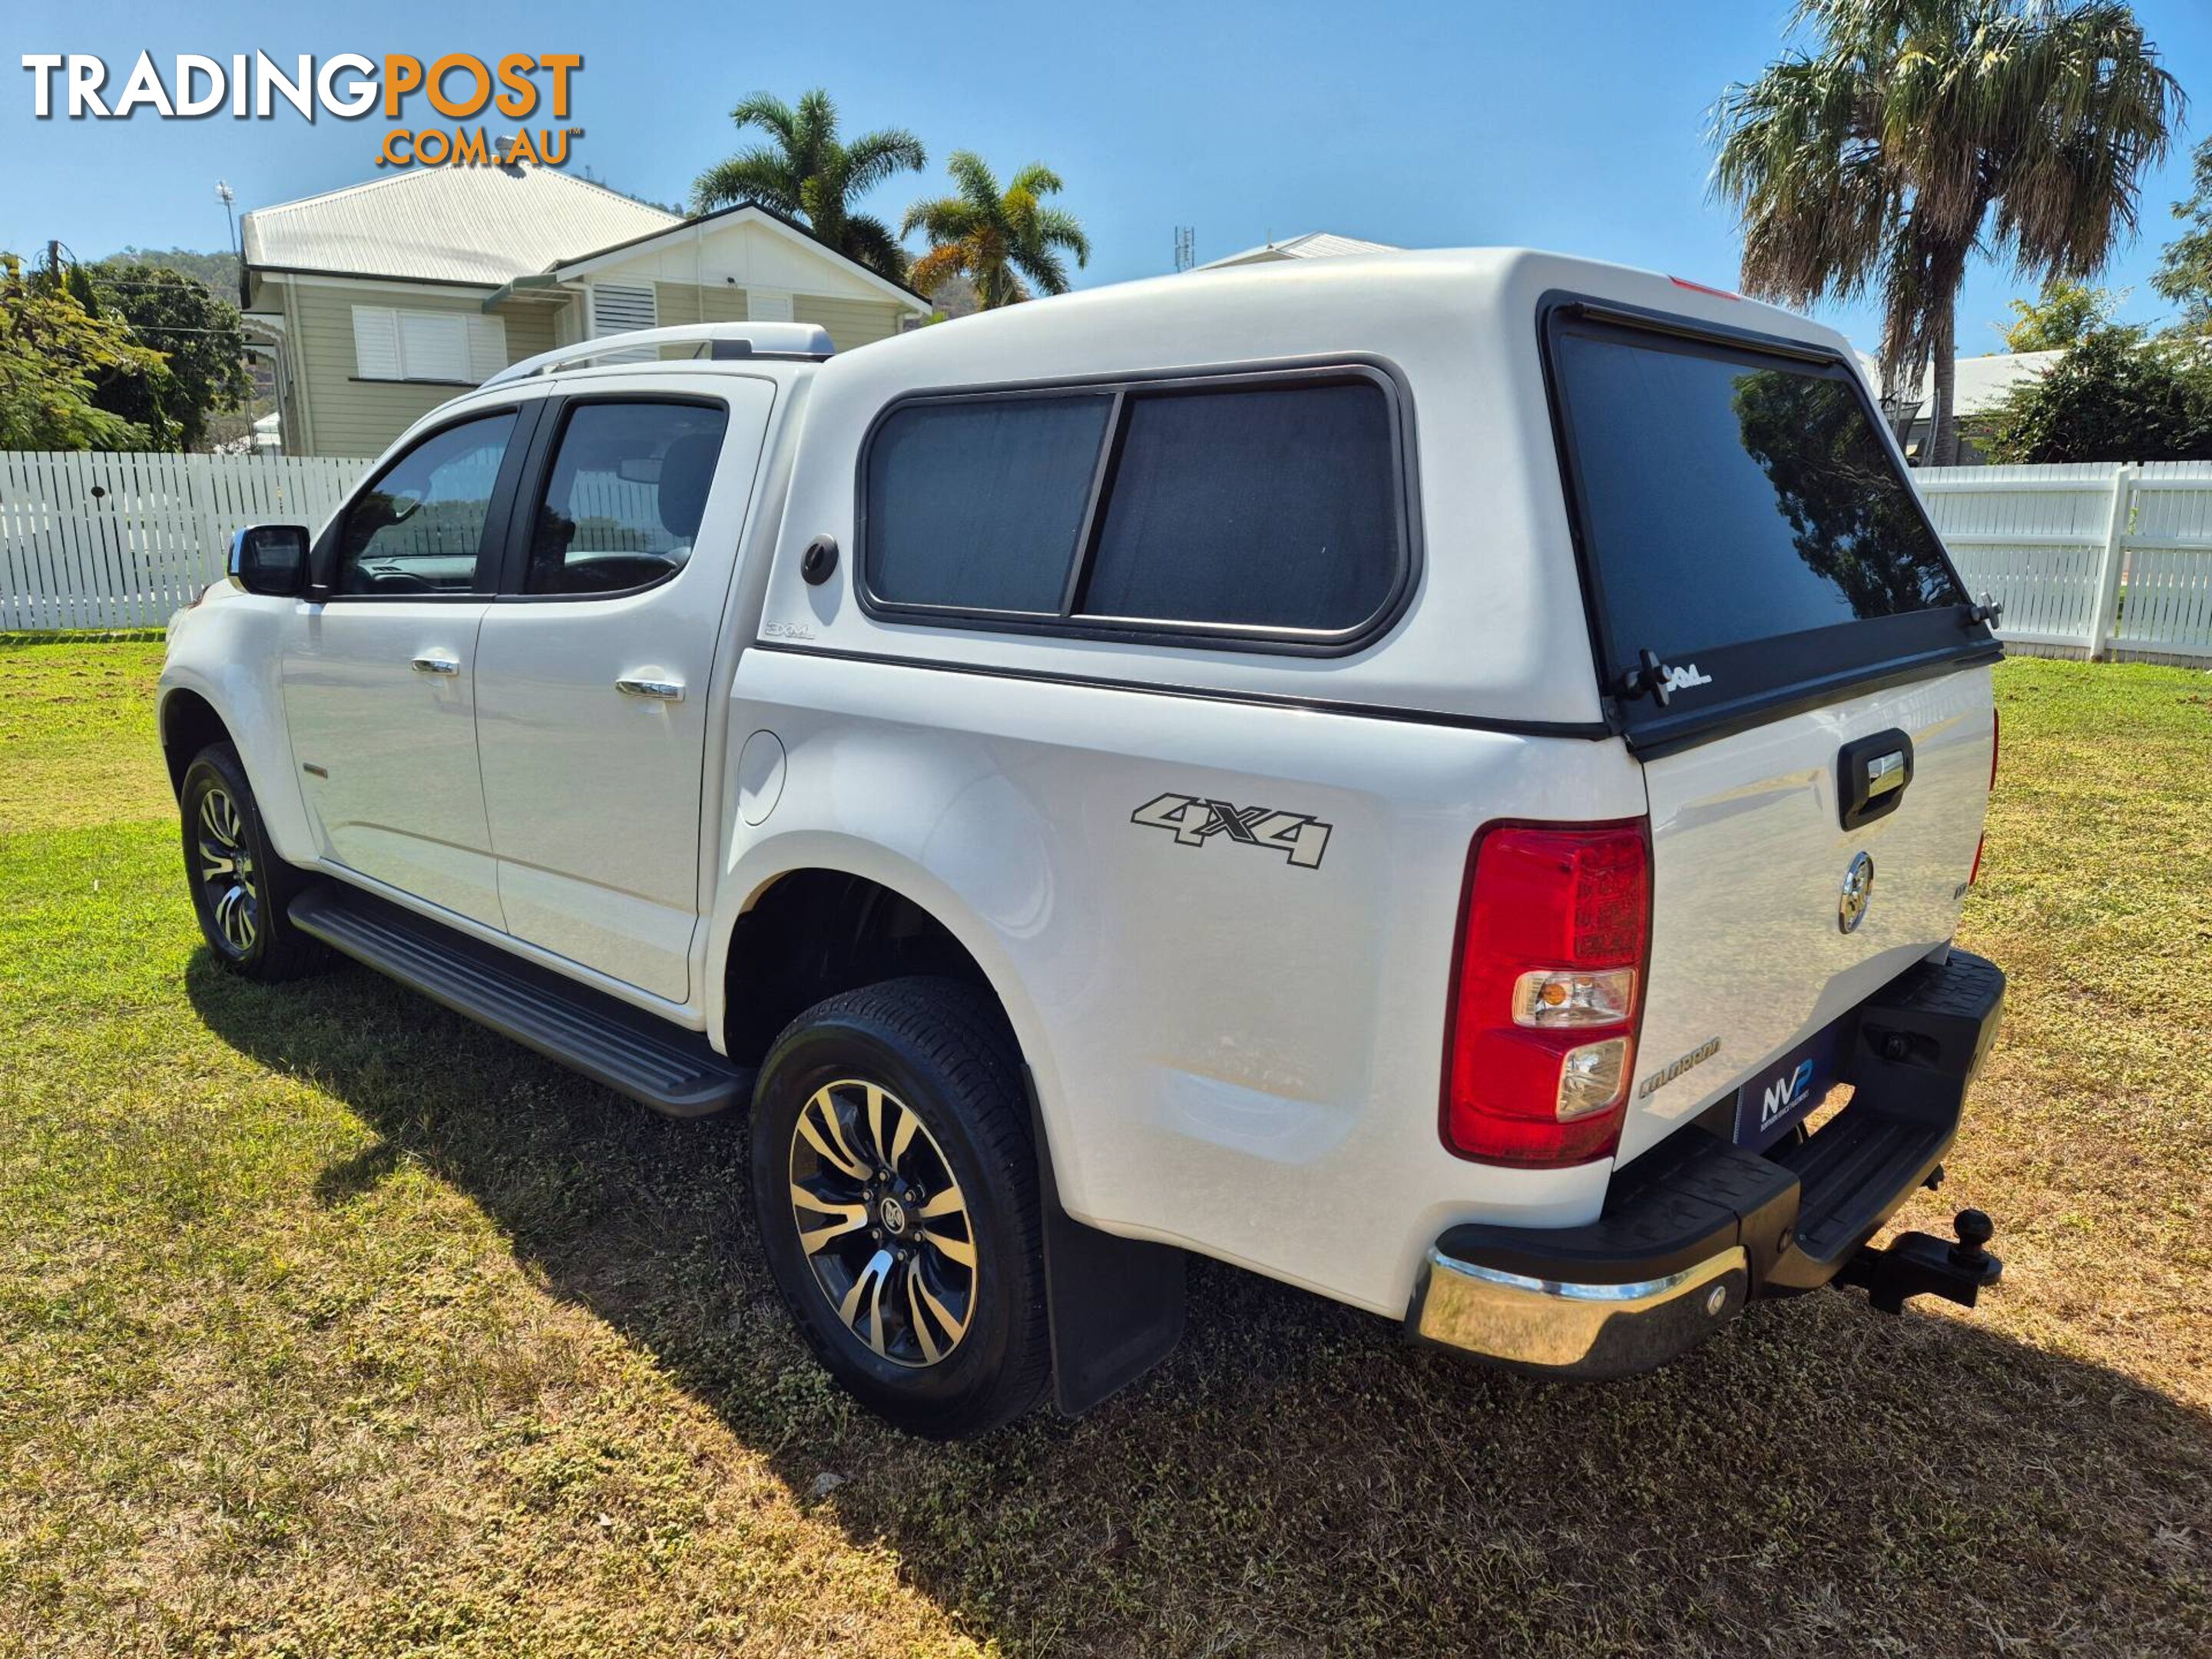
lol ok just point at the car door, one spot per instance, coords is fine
(594, 670)
(380, 676)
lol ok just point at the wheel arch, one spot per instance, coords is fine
(1116, 1304)
(829, 919)
(769, 891)
(188, 723)
(219, 685)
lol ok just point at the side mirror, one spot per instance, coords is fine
(271, 559)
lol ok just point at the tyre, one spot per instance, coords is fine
(239, 887)
(896, 1183)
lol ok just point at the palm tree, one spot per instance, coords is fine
(808, 173)
(1918, 132)
(994, 238)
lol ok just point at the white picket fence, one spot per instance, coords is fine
(123, 541)
(2090, 560)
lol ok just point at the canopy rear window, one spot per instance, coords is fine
(1744, 521)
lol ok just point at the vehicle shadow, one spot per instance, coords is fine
(1296, 1479)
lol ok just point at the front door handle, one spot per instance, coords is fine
(435, 663)
(632, 685)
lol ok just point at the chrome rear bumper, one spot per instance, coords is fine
(1697, 1227)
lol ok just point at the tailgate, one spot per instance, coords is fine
(1750, 948)
(1789, 651)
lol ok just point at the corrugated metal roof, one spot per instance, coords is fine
(452, 224)
(1314, 244)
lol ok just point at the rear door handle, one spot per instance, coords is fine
(437, 663)
(632, 685)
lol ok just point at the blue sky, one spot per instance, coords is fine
(1573, 126)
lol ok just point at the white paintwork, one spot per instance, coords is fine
(403, 801)
(616, 890)
(1749, 857)
(1230, 1052)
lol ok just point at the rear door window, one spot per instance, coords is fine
(1743, 517)
(624, 497)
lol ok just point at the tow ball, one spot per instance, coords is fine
(1921, 1264)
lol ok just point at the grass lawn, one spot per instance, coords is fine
(329, 1324)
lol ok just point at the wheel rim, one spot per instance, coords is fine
(227, 873)
(882, 1222)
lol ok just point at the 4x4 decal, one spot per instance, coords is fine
(1195, 820)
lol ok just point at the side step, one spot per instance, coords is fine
(663, 1065)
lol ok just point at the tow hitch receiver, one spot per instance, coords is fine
(1921, 1264)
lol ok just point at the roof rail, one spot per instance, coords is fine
(723, 341)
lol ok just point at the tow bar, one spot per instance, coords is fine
(1921, 1264)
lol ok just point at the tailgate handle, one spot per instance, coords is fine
(1871, 775)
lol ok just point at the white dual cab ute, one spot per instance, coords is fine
(1427, 777)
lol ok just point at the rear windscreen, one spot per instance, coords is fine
(1732, 502)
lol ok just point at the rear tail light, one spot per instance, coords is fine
(1546, 992)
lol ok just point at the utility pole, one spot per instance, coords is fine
(226, 195)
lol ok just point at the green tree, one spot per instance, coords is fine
(1917, 133)
(2067, 313)
(198, 334)
(54, 355)
(2185, 274)
(809, 172)
(1000, 241)
(1832, 477)
(215, 272)
(2115, 395)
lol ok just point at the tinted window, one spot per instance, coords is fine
(978, 505)
(1730, 498)
(1272, 506)
(419, 527)
(624, 500)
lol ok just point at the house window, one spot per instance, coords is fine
(619, 308)
(450, 346)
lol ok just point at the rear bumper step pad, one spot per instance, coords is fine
(627, 1049)
(1785, 1221)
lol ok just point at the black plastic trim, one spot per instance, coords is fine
(1219, 637)
(1671, 736)
(1588, 730)
(673, 1070)
(1115, 1306)
(1855, 806)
